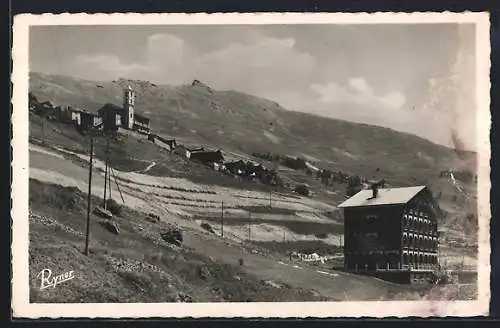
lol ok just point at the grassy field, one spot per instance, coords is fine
(139, 266)
(129, 267)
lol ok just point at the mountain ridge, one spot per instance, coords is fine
(245, 123)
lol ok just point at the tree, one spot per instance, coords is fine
(352, 190)
(302, 190)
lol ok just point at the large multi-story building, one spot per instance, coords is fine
(391, 233)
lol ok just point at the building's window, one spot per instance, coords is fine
(405, 239)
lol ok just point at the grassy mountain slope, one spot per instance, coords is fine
(246, 124)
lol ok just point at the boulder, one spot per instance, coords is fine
(103, 213)
(207, 227)
(111, 226)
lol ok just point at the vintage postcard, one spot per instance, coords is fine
(251, 165)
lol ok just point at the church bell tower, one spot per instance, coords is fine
(128, 105)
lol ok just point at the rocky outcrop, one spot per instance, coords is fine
(198, 83)
(173, 235)
(111, 226)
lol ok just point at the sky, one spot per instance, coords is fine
(416, 78)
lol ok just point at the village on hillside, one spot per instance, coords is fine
(414, 244)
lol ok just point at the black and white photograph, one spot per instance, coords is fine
(220, 165)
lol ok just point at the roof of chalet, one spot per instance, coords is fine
(386, 196)
(141, 117)
(83, 111)
(206, 151)
(111, 106)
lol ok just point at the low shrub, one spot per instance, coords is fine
(302, 190)
(113, 207)
(207, 227)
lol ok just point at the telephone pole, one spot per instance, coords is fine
(106, 174)
(222, 220)
(43, 130)
(89, 196)
(109, 181)
(249, 226)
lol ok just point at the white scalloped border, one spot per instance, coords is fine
(20, 300)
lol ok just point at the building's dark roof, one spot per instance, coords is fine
(193, 149)
(387, 196)
(110, 106)
(140, 117)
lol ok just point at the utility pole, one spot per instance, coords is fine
(284, 236)
(106, 174)
(222, 220)
(44, 123)
(89, 196)
(249, 226)
(109, 181)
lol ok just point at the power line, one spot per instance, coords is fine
(117, 185)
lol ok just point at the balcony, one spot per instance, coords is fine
(419, 267)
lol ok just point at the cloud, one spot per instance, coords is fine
(359, 84)
(357, 91)
(256, 66)
(451, 97)
(110, 64)
(164, 49)
(163, 56)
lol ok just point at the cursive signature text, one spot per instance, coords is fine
(47, 280)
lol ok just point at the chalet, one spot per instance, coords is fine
(391, 233)
(141, 124)
(207, 157)
(112, 117)
(85, 120)
(188, 151)
(236, 167)
(64, 114)
(166, 143)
